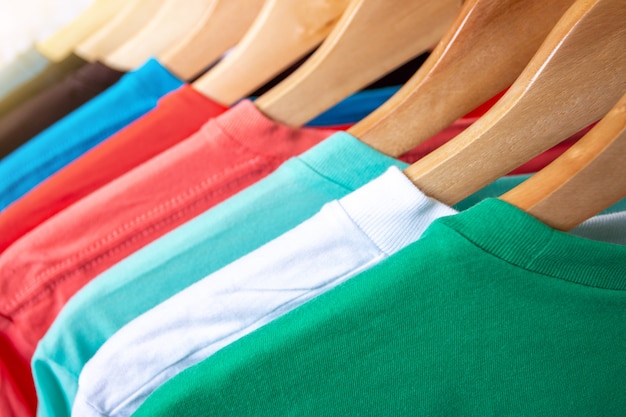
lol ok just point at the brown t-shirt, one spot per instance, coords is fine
(52, 104)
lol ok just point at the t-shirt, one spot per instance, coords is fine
(347, 237)
(134, 95)
(177, 116)
(20, 69)
(293, 193)
(51, 105)
(43, 269)
(48, 77)
(355, 107)
(490, 313)
(607, 227)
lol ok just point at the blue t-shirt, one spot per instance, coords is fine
(355, 107)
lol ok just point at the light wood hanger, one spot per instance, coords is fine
(485, 50)
(136, 15)
(371, 39)
(582, 182)
(61, 44)
(169, 26)
(575, 77)
(226, 24)
(283, 32)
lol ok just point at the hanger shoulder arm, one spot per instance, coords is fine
(283, 32)
(122, 27)
(169, 25)
(224, 27)
(62, 43)
(582, 182)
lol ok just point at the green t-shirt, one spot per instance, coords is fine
(490, 313)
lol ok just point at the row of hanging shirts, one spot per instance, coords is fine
(170, 246)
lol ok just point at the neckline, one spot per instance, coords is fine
(516, 237)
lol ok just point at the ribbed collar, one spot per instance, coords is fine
(391, 211)
(519, 239)
(248, 126)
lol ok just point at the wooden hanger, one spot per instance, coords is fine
(575, 77)
(582, 182)
(485, 50)
(123, 26)
(284, 31)
(226, 24)
(170, 25)
(61, 44)
(371, 39)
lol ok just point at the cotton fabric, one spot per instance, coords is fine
(354, 108)
(176, 117)
(18, 393)
(287, 197)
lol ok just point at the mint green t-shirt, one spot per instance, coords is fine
(491, 313)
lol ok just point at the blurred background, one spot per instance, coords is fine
(24, 22)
